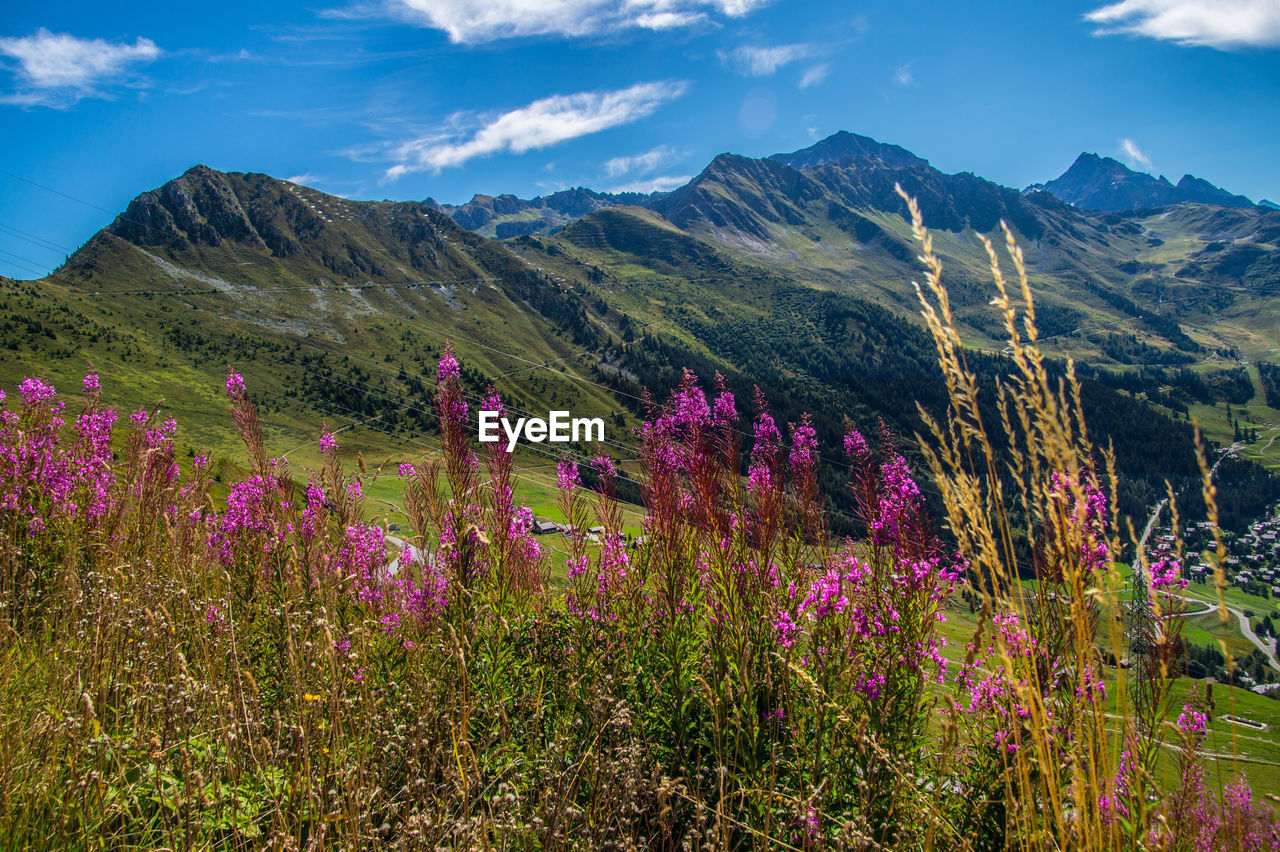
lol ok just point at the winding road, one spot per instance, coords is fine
(1245, 628)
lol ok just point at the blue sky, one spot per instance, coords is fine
(405, 99)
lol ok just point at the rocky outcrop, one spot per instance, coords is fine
(199, 208)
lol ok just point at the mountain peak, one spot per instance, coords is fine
(843, 145)
(1198, 189)
(1104, 183)
(198, 207)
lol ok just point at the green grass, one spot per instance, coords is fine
(1234, 596)
(1236, 747)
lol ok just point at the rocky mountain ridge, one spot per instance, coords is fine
(1103, 183)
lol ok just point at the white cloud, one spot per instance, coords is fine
(475, 21)
(305, 179)
(665, 183)
(641, 163)
(903, 76)
(1223, 24)
(669, 20)
(57, 69)
(543, 123)
(815, 75)
(756, 61)
(1134, 155)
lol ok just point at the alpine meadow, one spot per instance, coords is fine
(826, 499)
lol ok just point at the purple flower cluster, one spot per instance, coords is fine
(899, 502)
(46, 479)
(1166, 573)
(1192, 722)
(235, 386)
(1087, 519)
(567, 476)
(448, 369)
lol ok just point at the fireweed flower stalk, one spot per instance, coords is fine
(573, 506)
(514, 552)
(708, 449)
(802, 468)
(865, 630)
(765, 480)
(616, 582)
(251, 537)
(459, 522)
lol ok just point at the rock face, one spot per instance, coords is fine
(257, 213)
(1101, 183)
(199, 208)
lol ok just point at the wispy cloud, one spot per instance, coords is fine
(543, 123)
(763, 61)
(1133, 155)
(641, 163)
(1224, 24)
(903, 76)
(815, 75)
(477, 21)
(305, 179)
(665, 183)
(57, 69)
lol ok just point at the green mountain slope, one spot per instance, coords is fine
(827, 352)
(330, 308)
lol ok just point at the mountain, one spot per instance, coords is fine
(842, 146)
(1101, 183)
(1266, 202)
(791, 279)
(332, 309)
(508, 216)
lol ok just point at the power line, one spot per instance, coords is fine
(56, 192)
(33, 239)
(22, 261)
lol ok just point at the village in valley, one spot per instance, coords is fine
(1251, 597)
